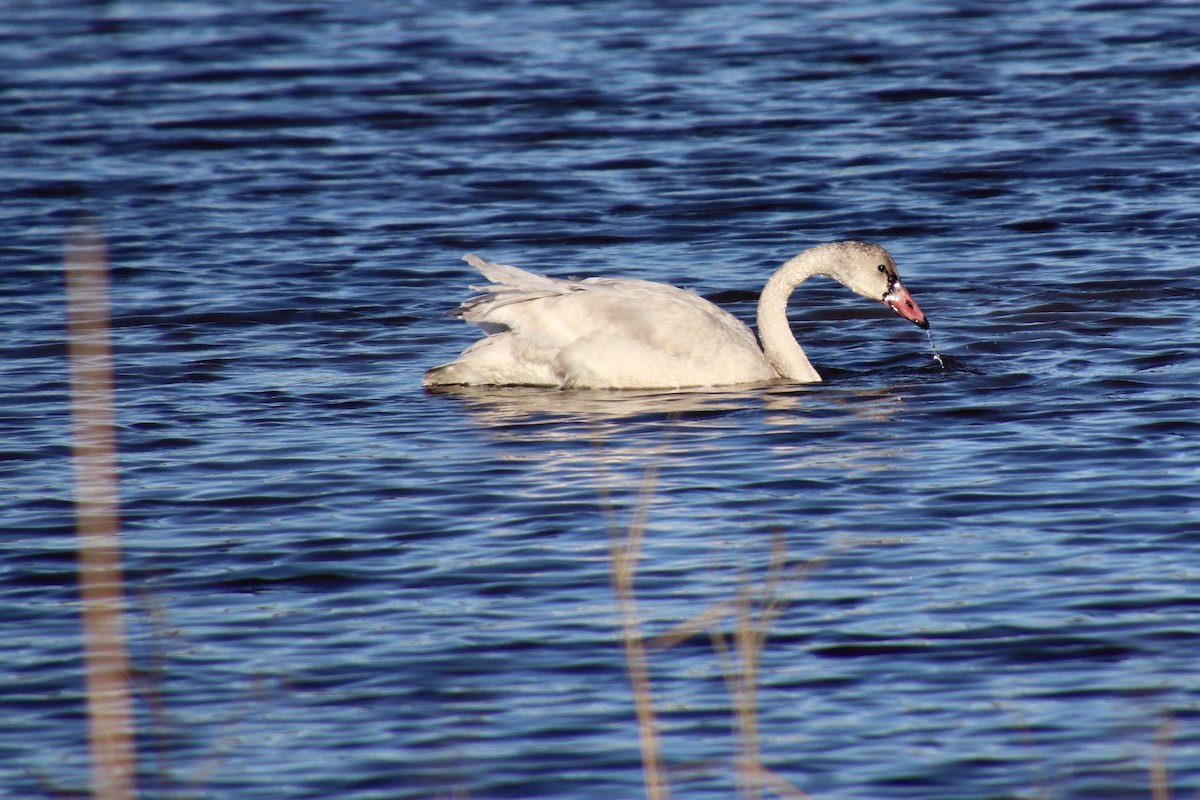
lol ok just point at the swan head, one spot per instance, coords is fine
(869, 270)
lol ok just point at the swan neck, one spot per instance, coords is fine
(775, 334)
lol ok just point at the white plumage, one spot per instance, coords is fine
(608, 333)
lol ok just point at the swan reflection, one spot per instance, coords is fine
(498, 406)
(705, 471)
(709, 430)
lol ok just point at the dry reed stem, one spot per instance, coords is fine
(1160, 776)
(706, 619)
(152, 693)
(753, 612)
(767, 778)
(624, 550)
(106, 663)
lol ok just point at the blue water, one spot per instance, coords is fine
(344, 586)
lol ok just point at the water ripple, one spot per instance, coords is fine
(340, 568)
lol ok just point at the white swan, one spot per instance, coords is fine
(607, 333)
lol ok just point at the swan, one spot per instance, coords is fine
(612, 333)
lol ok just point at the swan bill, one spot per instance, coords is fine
(900, 301)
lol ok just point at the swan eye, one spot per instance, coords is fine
(883, 268)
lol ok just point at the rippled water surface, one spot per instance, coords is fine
(344, 586)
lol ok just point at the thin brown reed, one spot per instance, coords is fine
(1160, 775)
(624, 550)
(106, 663)
(753, 611)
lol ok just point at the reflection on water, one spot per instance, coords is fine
(500, 407)
(564, 433)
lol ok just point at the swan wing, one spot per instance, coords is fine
(562, 311)
(599, 332)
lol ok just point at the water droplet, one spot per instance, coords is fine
(936, 355)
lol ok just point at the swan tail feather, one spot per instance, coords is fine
(508, 285)
(512, 277)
